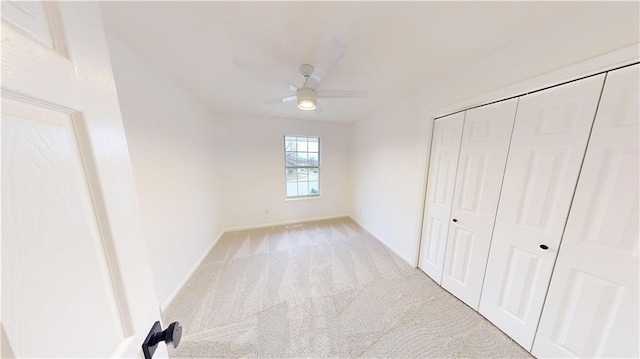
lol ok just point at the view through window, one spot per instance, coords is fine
(302, 166)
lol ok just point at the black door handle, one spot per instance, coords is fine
(455, 220)
(544, 247)
(171, 335)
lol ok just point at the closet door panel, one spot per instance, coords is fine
(592, 305)
(547, 148)
(445, 148)
(483, 156)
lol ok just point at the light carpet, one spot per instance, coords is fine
(326, 289)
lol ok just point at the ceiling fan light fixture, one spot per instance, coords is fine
(306, 105)
(307, 99)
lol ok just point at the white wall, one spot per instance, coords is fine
(388, 151)
(251, 158)
(391, 146)
(170, 138)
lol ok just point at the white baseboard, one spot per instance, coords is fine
(379, 239)
(283, 223)
(173, 295)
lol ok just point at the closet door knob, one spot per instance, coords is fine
(455, 220)
(544, 247)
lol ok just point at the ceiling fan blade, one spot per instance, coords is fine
(331, 55)
(255, 69)
(282, 99)
(341, 94)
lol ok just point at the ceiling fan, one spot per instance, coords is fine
(307, 96)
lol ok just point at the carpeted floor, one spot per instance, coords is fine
(327, 289)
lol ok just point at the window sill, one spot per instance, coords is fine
(301, 198)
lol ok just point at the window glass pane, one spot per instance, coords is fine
(303, 188)
(313, 188)
(313, 159)
(290, 143)
(302, 144)
(292, 175)
(291, 158)
(292, 189)
(303, 174)
(313, 145)
(313, 174)
(302, 158)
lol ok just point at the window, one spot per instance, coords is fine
(302, 166)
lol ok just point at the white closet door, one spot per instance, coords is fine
(547, 147)
(445, 148)
(483, 156)
(592, 305)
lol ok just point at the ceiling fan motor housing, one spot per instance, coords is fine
(306, 70)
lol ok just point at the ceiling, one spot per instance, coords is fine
(394, 47)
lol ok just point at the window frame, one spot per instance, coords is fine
(287, 167)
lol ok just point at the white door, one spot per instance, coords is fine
(547, 147)
(592, 305)
(483, 156)
(76, 281)
(445, 148)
